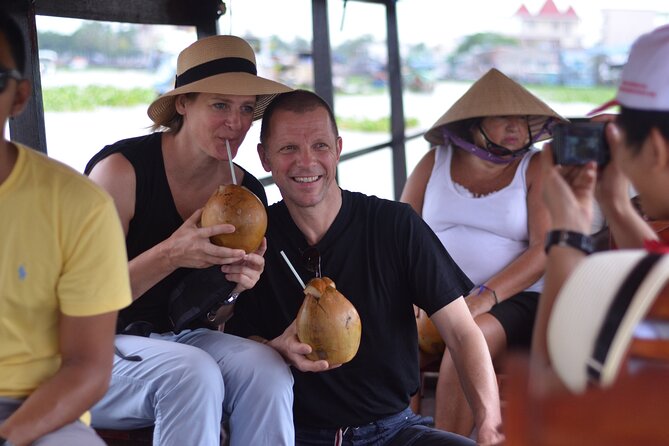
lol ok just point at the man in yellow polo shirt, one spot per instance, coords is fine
(63, 276)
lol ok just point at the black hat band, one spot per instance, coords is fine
(213, 67)
(616, 312)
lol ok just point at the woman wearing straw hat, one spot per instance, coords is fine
(478, 191)
(181, 379)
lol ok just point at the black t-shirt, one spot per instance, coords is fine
(155, 219)
(383, 258)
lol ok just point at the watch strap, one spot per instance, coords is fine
(211, 315)
(572, 239)
(232, 297)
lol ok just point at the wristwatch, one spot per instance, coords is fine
(211, 315)
(575, 240)
(232, 297)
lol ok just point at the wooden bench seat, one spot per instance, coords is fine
(631, 412)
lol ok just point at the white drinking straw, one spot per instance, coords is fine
(290, 265)
(232, 167)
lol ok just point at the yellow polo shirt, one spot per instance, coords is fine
(62, 249)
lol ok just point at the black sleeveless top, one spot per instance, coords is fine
(155, 219)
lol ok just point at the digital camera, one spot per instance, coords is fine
(580, 142)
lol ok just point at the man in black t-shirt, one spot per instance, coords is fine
(384, 259)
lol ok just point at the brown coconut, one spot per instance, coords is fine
(238, 206)
(429, 339)
(328, 322)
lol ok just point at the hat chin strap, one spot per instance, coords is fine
(480, 152)
(493, 147)
(485, 153)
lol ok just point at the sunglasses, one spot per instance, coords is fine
(311, 259)
(5, 75)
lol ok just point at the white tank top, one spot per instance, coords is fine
(482, 234)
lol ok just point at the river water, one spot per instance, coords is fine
(73, 137)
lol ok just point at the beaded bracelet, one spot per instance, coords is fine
(483, 288)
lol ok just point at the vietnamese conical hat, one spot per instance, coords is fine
(495, 94)
(221, 65)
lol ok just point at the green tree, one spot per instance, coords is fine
(484, 41)
(49, 40)
(354, 49)
(94, 38)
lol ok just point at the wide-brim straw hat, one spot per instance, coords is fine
(495, 94)
(596, 312)
(219, 65)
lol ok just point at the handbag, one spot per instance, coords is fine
(198, 297)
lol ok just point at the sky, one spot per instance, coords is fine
(419, 20)
(429, 21)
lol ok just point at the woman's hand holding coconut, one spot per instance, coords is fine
(234, 220)
(190, 247)
(246, 271)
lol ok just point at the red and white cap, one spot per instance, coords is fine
(645, 76)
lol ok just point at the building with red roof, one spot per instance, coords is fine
(550, 25)
(543, 37)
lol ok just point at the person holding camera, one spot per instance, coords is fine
(638, 140)
(171, 377)
(479, 191)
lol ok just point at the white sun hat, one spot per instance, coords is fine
(596, 312)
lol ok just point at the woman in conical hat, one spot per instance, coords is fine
(160, 182)
(478, 190)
